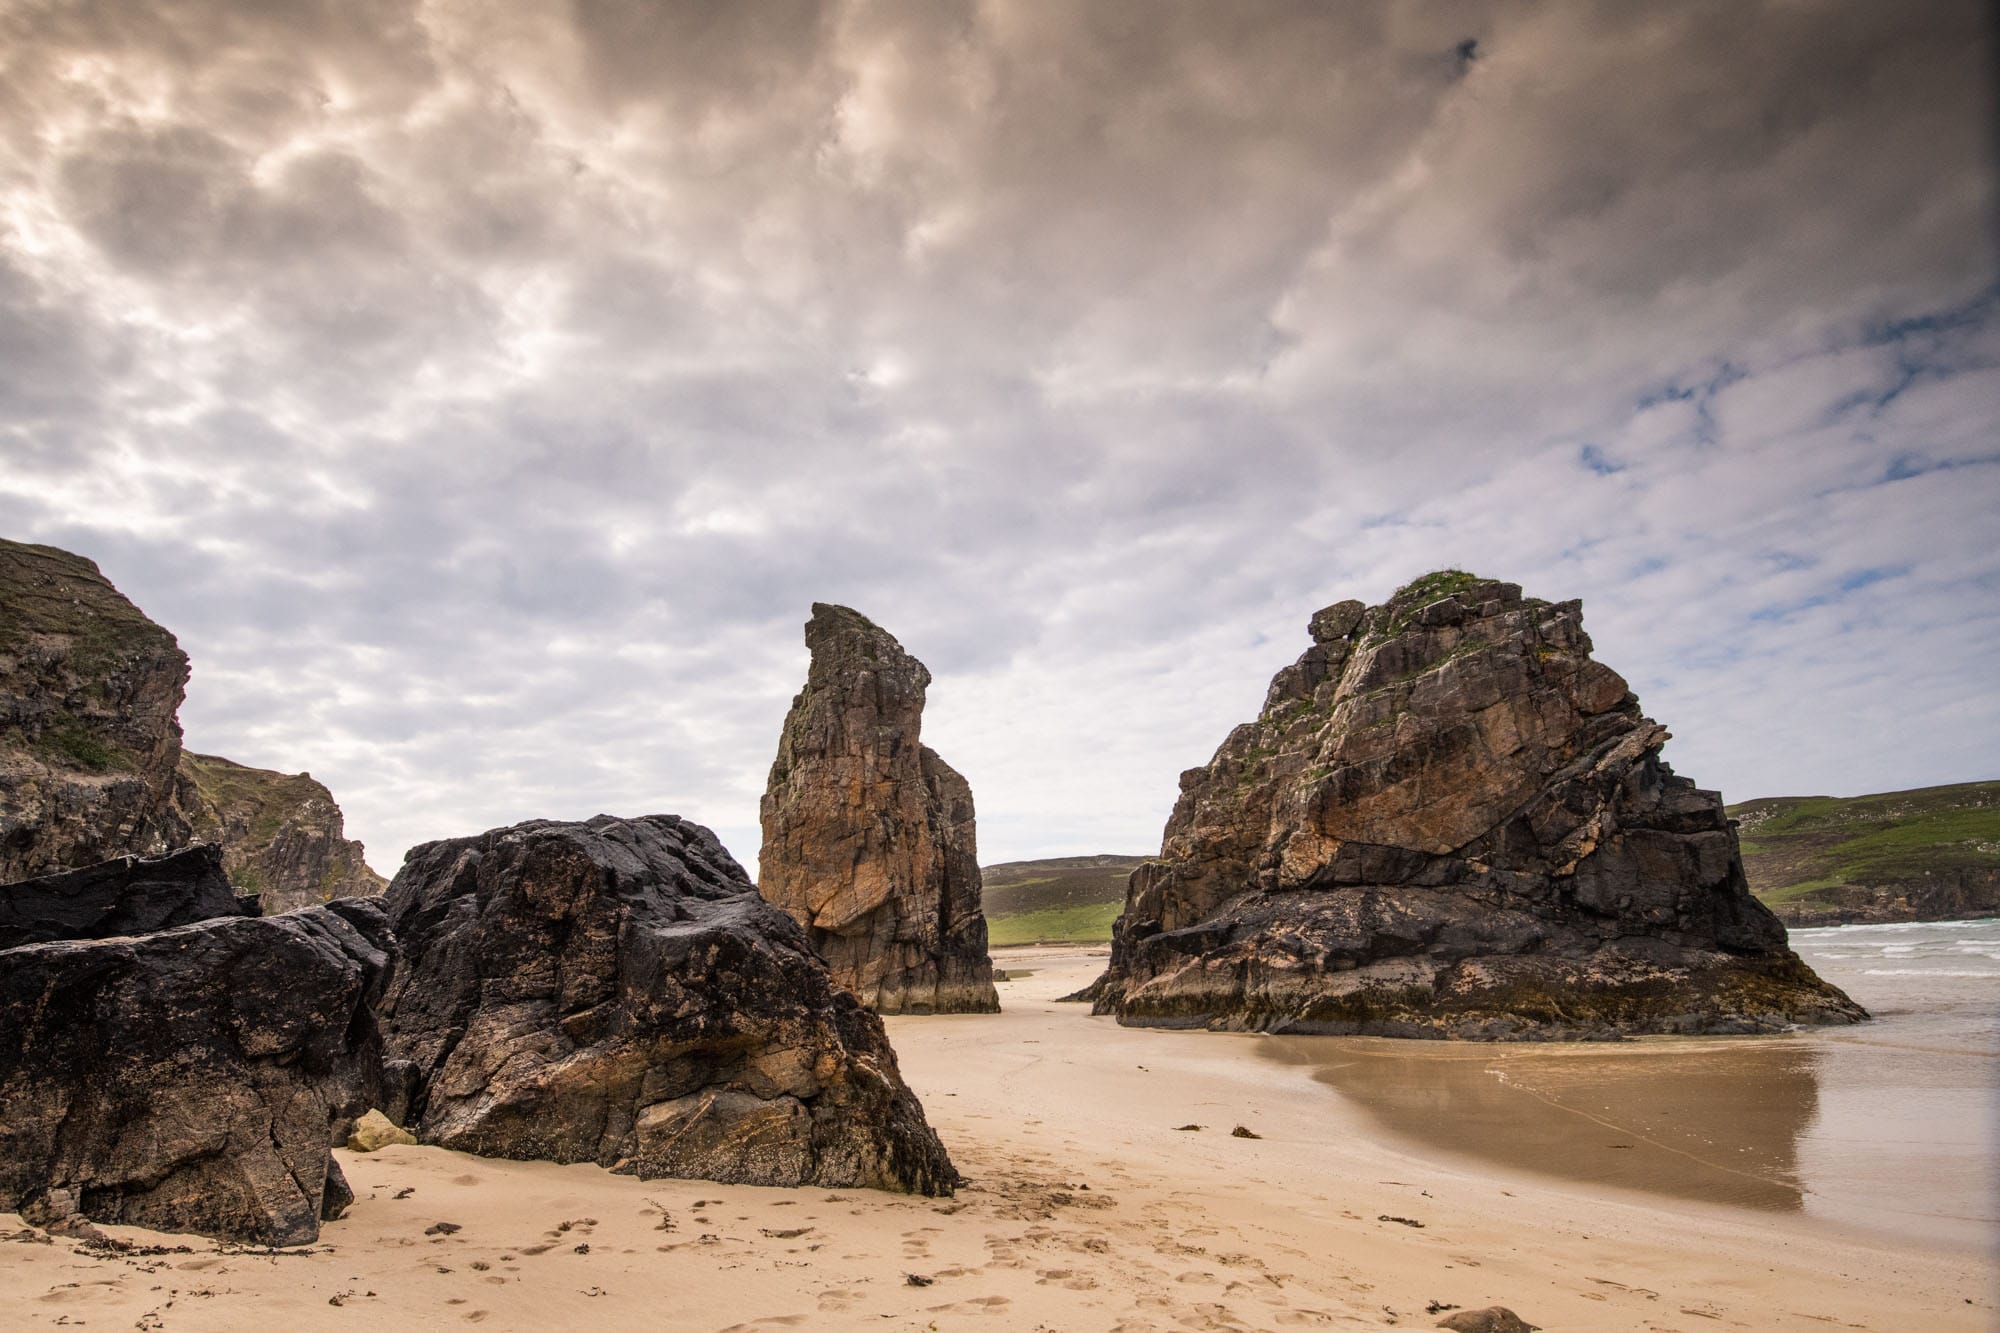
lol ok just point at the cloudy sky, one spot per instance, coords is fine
(482, 392)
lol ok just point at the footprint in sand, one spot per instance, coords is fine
(977, 1305)
(1067, 1278)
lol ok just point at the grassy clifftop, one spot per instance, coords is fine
(1900, 855)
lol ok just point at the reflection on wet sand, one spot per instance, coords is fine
(1712, 1120)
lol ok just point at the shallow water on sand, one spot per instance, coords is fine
(1891, 1126)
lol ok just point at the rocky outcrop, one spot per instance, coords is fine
(91, 764)
(192, 1079)
(869, 835)
(1448, 820)
(282, 836)
(89, 689)
(616, 992)
(129, 896)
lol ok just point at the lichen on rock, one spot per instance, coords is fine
(1449, 820)
(869, 836)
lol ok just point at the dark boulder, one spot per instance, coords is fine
(193, 1079)
(615, 991)
(127, 896)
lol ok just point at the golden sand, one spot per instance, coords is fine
(1088, 1208)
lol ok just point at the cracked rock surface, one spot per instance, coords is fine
(191, 1079)
(129, 896)
(615, 991)
(869, 836)
(1450, 820)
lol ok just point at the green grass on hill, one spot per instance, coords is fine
(1088, 924)
(1794, 846)
(1066, 899)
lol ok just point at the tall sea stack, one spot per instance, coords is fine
(869, 836)
(1448, 820)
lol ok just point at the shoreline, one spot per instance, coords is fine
(1086, 1208)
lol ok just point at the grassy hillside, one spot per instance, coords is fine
(1060, 899)
(1806, 852)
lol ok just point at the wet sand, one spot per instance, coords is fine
(1690, 1120)
(1888, 1128)
(1088, 1207)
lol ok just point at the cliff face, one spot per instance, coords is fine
(282, 835)
(869, 836)
(89, 689)
(91, 764)
(1448, 820)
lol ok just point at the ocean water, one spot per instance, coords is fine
(1890, 1126)
(1908, 1132)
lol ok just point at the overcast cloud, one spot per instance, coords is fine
(483, 392)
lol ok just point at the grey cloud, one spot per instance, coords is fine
(484, 392)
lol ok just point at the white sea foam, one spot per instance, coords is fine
(1893, 926)
(1923, 972)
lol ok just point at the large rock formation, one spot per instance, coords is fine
(89, 689)
(1449, 820)
(192, 1079)
(91, 764)
(282, 836)
(616, 992)
(869, 836)
(129, 896)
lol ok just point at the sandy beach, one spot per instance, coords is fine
(1087, 1207)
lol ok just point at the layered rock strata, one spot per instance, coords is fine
(129, 896)
(192, 1079)
(616, 992)
(1449, 820)
(91, 764)
(869, 837)
(282, 836)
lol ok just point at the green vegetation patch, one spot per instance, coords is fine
(1089, 924)
(1794, 846)
(1435, 586)
(80, 748)
(1058, 881)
